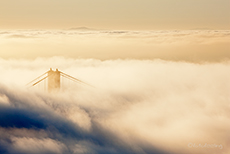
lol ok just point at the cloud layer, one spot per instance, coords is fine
(138, 106)
(190, 45)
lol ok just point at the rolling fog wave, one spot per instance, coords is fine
(137, 106)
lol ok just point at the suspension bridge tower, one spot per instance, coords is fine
(54, 83)
(54, 80)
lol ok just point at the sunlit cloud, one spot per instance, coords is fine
(176, 45)
(155, 37)
(137, 106)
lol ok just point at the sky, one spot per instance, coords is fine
(115, 14)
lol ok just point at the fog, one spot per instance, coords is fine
(173, 45)
(134, 106)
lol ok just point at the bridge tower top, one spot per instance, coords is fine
(54, 80)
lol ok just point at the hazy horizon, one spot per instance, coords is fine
(176, 45)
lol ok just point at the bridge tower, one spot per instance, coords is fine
(54, 80)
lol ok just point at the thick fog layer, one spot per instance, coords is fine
(134, 106)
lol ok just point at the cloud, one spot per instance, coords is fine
(31, 145)
(20, 36)
(155, 37)
(138, 106)
(176, 45)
